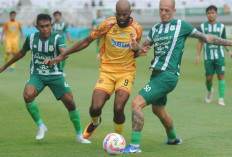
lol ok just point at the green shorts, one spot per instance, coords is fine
(56, 83)
(161, 83)
(217, 65)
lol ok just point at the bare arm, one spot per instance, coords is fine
(144, 49)
(16, 57)
(211, 39)
(228, 50)
(23, 38)
(69, 38)
(199, 47)
(2, 35)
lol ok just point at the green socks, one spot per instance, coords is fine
(33, 109)
(75, 118)
(209, 85)
(221, 87)
(171, 135)
(136, 137)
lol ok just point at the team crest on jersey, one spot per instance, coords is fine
(35, 46)
(123, 34)
(218, 29)
(51, 48)
(172, 28)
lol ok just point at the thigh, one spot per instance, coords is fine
(58, 85)
(125, 81)
(106, 82)
(99, 98)
(121, 98)
(155, 92)
(209, 67)
(15, 48)
(8, 48)
(37, 82)
(219, 66)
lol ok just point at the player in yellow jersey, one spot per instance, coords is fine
(12, 29)
(117, 65)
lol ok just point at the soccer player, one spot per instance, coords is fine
(117, 65)
(169, 37)
(95, 24)
(12, 29)
(43, 45)
(60, 28)
(214, 54)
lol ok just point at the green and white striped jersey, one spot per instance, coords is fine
(213, 51)
(59, 28)
(96, 22)
(169, 40)
(41, 50)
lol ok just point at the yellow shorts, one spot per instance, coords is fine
(110, 82)
(12, 47)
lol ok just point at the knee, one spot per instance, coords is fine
(71, 105)
(118, 109)
(94, 110)
(28, 96)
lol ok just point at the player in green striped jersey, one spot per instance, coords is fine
(46, 45)
(60, 28)
(168, 37)
(96, 22)
(214, 55)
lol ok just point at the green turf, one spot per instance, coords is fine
(204, 128)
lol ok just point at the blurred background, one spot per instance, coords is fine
(79, 14)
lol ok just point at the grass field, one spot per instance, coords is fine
(205, 128)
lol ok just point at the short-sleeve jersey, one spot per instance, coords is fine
(213, 51)
(41, 50)
(12, 29)
(59, 28)
(169, 40)
(96, 22)
(116, 55)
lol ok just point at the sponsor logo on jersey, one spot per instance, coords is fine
(120, 45)
(172, 28)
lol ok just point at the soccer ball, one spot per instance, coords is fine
(114, 144)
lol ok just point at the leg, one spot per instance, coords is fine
(221, 88)
(209, 85)
(69, 103)
(121, 98)
(13, 65)
(98, 101)
(7, 56)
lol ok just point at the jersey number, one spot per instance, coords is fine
(126, 82)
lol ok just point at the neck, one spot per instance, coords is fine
(43, 38)
(167, 21)
(12, 19)
(212, 22)
(57, 21)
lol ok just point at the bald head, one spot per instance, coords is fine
(123, 5)
(171, 2)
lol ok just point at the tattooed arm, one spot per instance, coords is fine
(142, 51)
(211, 39)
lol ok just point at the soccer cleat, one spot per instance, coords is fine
(41, 132)
(209, 96)
(176, 142)
(90, 129)
(82, 140)
(131, 149)
(221, 102)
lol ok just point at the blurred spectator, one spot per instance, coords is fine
(100, 3)
(93, 3)
(86, 5)
(226, 9)
(133, 4)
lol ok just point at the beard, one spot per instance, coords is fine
(125, 24)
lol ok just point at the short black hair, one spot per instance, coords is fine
(211, 7)
(12, 12)
(57, 12)
(41, 17)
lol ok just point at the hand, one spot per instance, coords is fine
(230, 54)
(55, 61)
(197, 60)
(133, 44)
(144, 50)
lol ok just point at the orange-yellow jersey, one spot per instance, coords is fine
(12, 29)
(116, 55)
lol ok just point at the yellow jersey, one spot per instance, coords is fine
(12, 29)
(116, 55)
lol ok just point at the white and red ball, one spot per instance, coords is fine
(114, 144)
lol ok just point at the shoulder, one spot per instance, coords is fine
(6, 23)
(110, 21)
(136, 25)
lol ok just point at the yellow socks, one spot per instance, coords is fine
(119, 128)
(7, 58)
(96, 120)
